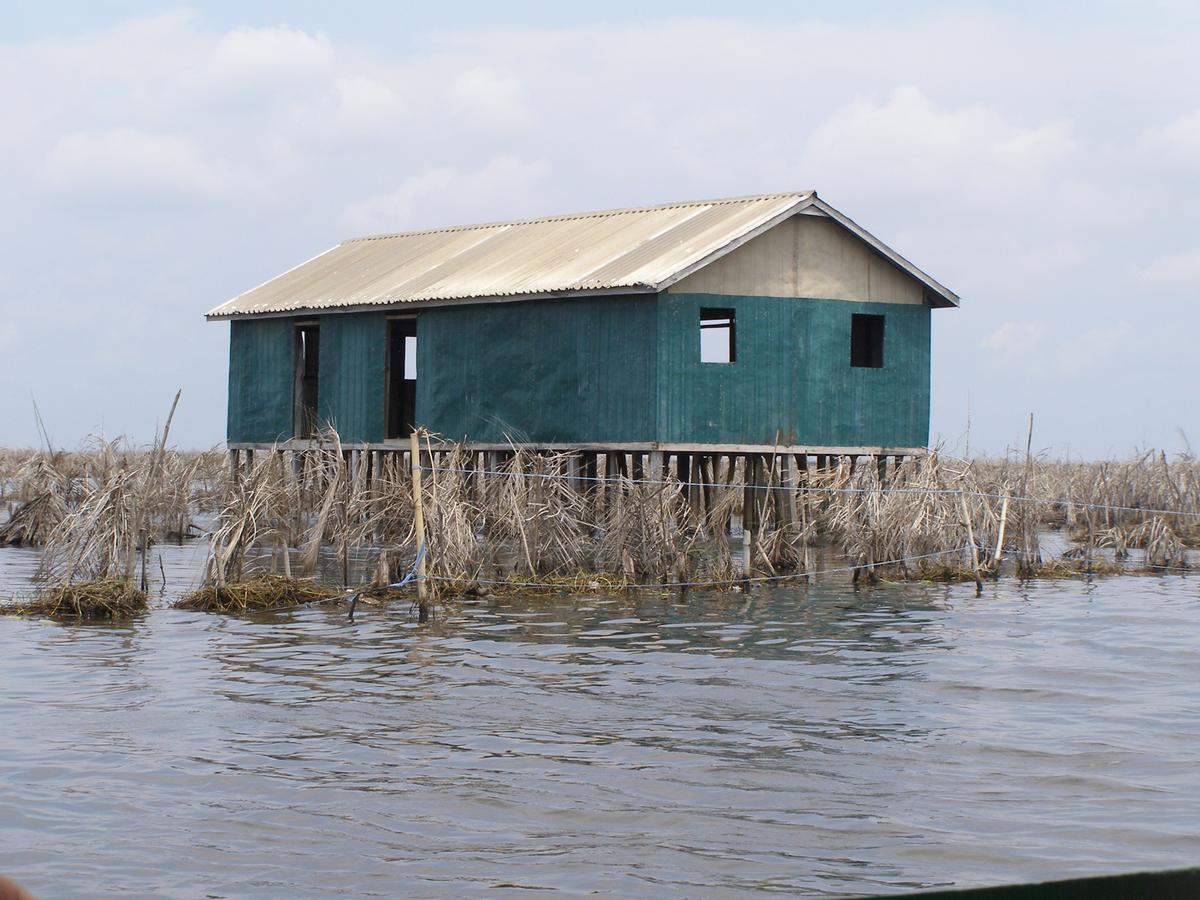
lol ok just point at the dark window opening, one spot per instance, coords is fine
(866, 341)
(401, 377)
(307, 359)
(718, 338)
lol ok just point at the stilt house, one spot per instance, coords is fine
(747, 325)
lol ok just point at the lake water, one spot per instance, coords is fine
(819, 740)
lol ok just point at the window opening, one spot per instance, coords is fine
(307, 362)
(718, 338)
(866, 341)
(401, 377)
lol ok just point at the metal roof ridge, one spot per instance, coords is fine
(593, 214)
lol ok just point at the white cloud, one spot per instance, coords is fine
(1092, 349)
(491, 97)
(270, 58)
(126, 167)
(448, 196)
(1014, 338)
(1175, 271)
(1178, 139)
(909, 143)
(1036, 183)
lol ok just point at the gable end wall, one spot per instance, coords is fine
(805, 256)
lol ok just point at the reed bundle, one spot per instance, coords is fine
(526, 517)
(257, 594)
(85, 600)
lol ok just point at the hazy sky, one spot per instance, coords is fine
(1042, 161)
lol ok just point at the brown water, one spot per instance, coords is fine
(821, 740)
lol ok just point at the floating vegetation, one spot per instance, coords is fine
(86, 600)
(574, 584)
(257, 594)
(1075, 566)
(519, 520)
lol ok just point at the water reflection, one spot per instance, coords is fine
(812, 739)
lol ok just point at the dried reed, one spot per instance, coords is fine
(111, 600)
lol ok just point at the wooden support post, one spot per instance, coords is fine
(730, 475)
(656, 466)
(683, 463)
(747, 494)
(747, 543)
(575, 469)
(785, 494)
(419, 527)
(881, 469)
(708, 479)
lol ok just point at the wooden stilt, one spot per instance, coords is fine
(657, 465)
(419, 529)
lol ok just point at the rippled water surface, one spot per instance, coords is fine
(817, 740)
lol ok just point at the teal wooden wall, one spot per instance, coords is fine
(570, 371)
(352, 375)
(260, 380)
(603, 369)
(793, 376)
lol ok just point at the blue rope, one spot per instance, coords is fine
(410, 577)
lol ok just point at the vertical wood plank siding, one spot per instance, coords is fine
(603, 369)
(573, 371)
(793, 375)
(353, 371)
(260, 380)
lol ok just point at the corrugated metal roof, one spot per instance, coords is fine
(641, 249)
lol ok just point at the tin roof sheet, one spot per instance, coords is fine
(642, 249)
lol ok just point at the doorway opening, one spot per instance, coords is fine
(307, 358)
(401, 377)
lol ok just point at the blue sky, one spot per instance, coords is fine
(1042, 160)
(395, 25)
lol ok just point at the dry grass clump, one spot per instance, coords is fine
(44, 490)
(260, 593)
(1075, 566)
(518, 517)
(85, 600)
(32, 523)
(932, 570)
(574, 584)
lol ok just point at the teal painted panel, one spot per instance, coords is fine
(792, 380)
(260, 380)
(352, 375)
(570, 371)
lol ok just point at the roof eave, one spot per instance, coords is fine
(402, 304)
(940, 297)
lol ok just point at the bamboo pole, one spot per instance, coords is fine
(999, 554)
(962, 500)
(419, 528)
